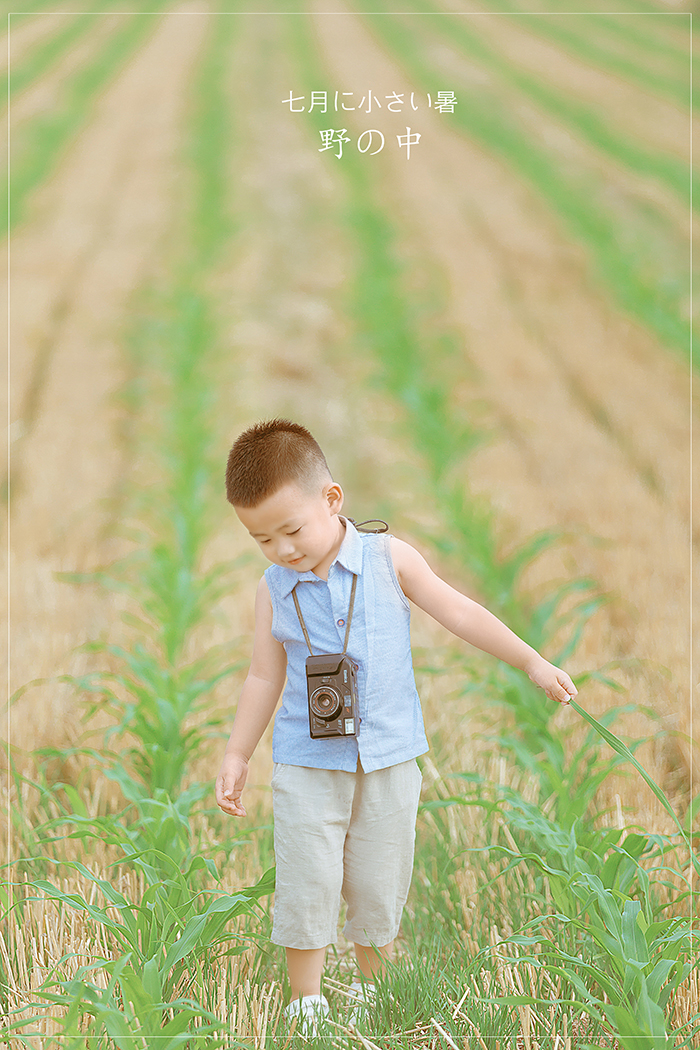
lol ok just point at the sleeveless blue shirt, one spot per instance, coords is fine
(391, 723)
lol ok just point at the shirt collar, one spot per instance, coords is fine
(349, 556)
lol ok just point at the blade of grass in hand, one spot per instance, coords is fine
(617, 745)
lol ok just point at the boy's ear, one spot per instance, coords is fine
(335, 497)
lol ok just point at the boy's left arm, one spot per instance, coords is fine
(473, 623)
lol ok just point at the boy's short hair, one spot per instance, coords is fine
(269, 455)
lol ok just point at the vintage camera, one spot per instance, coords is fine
(332, 688)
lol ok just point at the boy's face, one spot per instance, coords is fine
(298, 529)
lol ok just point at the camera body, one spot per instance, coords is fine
(332, 693)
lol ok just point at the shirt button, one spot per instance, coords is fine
(341, 623)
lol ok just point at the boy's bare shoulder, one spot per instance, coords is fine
(403, 554)
(263, 601)
(265, 644)
(262, 586)
(268, 654)
(408, 562)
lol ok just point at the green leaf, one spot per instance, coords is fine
(186, 942)
(178, 1024)
(118, 1028)
(691, 813)
(627, 1030)
(151, 980)
(133, 992)
(264, 886)
(658, 977)
(633, 941)
(190, 937)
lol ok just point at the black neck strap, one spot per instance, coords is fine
(370, 521)
(347, 629)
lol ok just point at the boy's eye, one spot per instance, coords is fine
(295, 531)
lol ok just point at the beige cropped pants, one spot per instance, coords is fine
(348, 835)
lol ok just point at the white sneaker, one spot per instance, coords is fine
(310, 1009)
(362, 991)
(361, 996)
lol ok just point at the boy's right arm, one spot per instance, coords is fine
(259, 696)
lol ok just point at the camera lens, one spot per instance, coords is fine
(326, 703)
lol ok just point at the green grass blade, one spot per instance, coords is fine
(617, 745)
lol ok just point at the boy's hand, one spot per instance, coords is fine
(555, 682)
(230, 783)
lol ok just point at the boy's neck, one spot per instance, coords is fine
(322, 568)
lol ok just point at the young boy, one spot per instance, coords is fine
(345, 805)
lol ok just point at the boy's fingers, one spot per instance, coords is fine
(226, 799)
(567, 694)
(568, 689)
(234, 808)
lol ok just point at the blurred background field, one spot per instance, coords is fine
(213, 217)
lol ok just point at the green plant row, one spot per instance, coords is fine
(643, 32)
(212, 125)
(656, 299)
(588, 124)
(38, 147)
(46, 53)
(9, 10)
(564, 29)
(624, 7)
(17, 17)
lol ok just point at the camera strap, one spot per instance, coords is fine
(347, 629)
(370, 521)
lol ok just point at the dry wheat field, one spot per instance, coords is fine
(454, 241)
